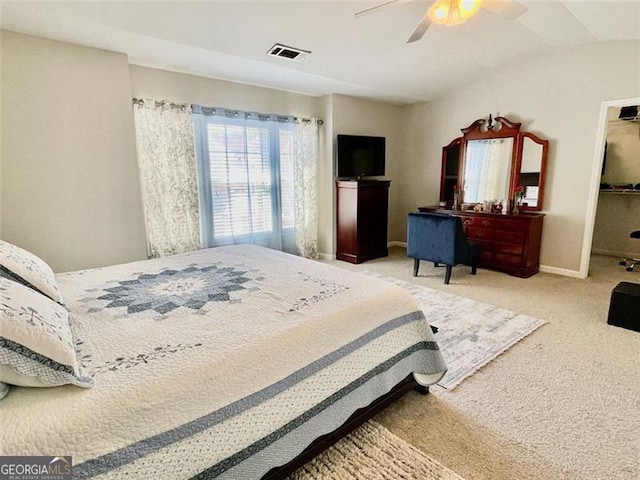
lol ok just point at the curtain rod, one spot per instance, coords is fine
(183, 106)
(305, 120)
(161, 103)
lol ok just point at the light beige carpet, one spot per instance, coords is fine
(372, 452)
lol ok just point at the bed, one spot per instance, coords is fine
(224, 363)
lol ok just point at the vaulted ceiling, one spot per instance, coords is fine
(367, 56)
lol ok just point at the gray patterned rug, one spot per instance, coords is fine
(470, 333)
(372, 452)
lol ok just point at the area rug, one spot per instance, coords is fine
(470, 333)
(371, 452)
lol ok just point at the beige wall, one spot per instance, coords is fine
(69, 186)
(179, 87)
(326, 195)
(1, 83)
(1, 36)
(354, 116)
(558, 97)
(65, 209)
(161, 84)
(616, 217)
(340, 114)
(70, 190)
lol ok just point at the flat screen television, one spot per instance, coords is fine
(360, 156)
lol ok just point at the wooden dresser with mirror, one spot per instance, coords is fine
(493, 177)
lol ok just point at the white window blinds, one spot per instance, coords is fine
(246, 178)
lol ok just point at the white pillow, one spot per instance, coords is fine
(28, 269)
(36, 343)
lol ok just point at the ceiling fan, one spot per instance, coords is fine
(453, 12)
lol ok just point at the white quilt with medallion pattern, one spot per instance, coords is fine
(221, 363)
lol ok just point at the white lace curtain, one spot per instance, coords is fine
(305, 154)
(167, 165)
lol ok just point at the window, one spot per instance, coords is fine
(246, 179)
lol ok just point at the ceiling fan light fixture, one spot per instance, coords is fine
(468, 8)
(452, 12)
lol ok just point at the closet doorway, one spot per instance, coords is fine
(614, 208)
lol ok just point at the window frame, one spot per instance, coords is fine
(273, 128)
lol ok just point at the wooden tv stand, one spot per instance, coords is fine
(362, 217)
(510, 243)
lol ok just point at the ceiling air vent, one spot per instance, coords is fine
(288, 53)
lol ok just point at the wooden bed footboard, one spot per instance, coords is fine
(360, 416)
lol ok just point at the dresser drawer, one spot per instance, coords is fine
(510, 260)
(486, 259)
(510, 225)
(475, 233)
(486, 246)
(478, 222)
(508, 248)
(509, 237)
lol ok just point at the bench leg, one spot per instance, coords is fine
(416, 266)
(447, 275)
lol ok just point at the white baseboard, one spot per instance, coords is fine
(610, 253)
(328, 256)
(561, 271)
(397, 244)
(543, 268)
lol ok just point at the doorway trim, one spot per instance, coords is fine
(596, 170)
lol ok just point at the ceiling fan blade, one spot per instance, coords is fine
(420, 30)
(505, 8)
(373, 9)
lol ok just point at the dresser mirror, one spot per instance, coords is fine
(494, 161)
(533, 158)
(487, 169)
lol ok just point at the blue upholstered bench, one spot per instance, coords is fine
(440, 239)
